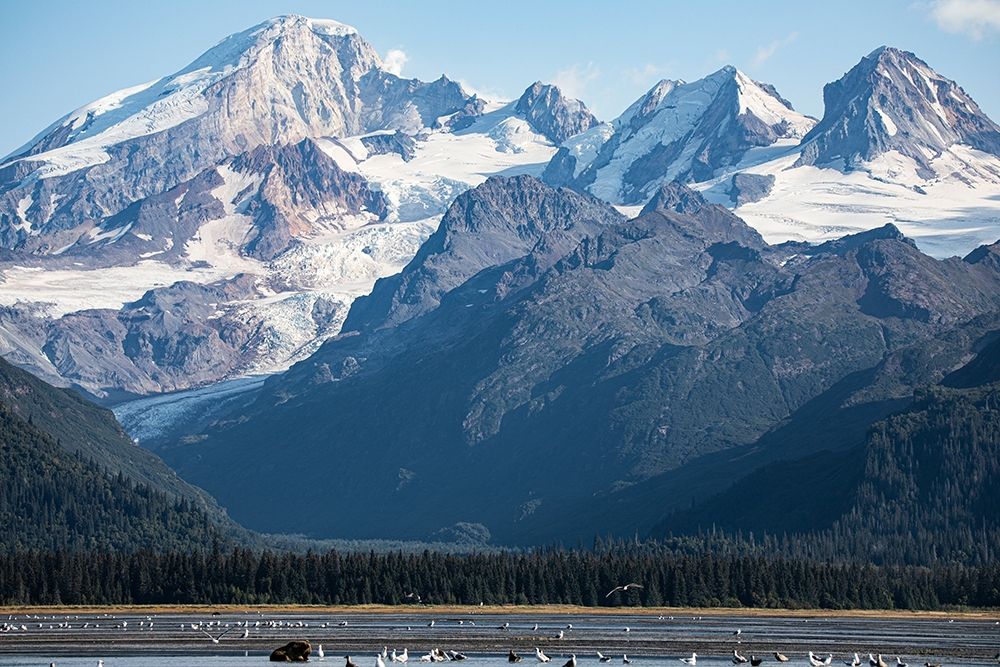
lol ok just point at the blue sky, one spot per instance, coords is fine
(60, 54)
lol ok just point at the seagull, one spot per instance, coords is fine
(737, 632)
(394, 657)
(738, 659)
(505, 626)
(541, 656)
(780, 657)
(379, 662)
(322, 656)
(561, 634)
(900, 663)
(816, 661)
(513, 657)
(693, 660)
(346, 657)
(879, 662)
(455, 655)
(571, 662)
(932, 664)
(617, 589)
(602, 657)
(627, 629)
(854, 663)
(625, 660)
(755, 661)
(404, 657)
(216, 638)
(535, 629)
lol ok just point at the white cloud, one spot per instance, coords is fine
(646, 73)
(489, 94)
(765, 52)
(976, 18)
(394, 61)
(574, 81)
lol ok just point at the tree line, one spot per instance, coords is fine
(552, 576)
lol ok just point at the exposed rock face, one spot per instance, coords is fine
(677, 131)
(499, 221)
(396, 142)
(300, 184)
(282, 81)
(748, 188)
(297, 651)
(552, 114)
(893, 101)
(608, 352)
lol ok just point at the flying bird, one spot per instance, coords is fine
(215, 639)
(618, 589)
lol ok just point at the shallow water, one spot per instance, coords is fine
(473, 661)
(651, 641)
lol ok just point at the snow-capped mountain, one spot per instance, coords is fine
(676, 131)
(219, 221)
(899, 144)
(893, 101)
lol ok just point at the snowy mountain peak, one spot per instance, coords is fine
(678, 131)
(552, 114)
(894, 101)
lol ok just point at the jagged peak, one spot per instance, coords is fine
(553, 114)
(887, 232)
(674, 196)
(891, 100)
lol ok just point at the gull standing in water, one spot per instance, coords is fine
(541, 657)
(602, 657)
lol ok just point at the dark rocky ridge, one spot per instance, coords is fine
(618, 355)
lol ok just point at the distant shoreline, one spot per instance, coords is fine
(522, 610)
